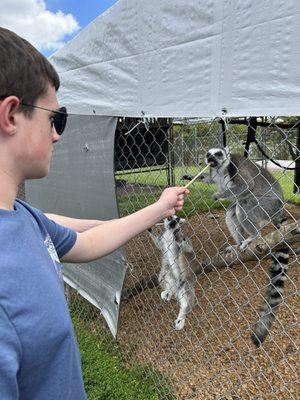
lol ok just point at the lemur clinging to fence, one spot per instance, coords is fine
(176, 277)
(256, 199)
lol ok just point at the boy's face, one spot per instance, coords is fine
(35, 137)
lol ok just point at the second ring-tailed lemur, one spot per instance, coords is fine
(176, 277)
(256, 199)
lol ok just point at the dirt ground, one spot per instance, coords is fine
(213, 356)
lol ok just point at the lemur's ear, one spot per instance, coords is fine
(227, 152)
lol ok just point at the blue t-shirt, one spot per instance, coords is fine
(39, 357)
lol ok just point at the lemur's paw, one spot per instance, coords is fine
(217, 196)
(229, 249)
(244, 245)
(165, 295)
(179, 324)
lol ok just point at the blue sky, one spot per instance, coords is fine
(83, 11)
(49, 24)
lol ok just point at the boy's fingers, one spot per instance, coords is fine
(182, 190)
(178, 208)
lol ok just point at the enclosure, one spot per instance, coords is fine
(213, 357)
(150, 88)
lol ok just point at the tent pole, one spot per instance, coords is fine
(297, 164)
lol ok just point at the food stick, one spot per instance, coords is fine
(195, 177)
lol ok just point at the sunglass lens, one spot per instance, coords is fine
(60, 120)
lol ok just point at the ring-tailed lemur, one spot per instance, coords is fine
(176, 277)
(256, 199)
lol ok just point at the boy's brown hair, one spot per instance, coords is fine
(24, 71)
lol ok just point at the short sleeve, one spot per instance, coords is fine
(62, 237)
(10, 358)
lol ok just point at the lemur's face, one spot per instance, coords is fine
(215, 157)
(173, 222)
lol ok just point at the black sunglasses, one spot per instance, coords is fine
(59, 120)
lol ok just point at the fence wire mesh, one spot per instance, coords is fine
(213, 356)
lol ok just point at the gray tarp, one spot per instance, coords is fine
(81, 185)
(185, 59)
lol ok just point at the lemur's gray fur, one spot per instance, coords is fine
(256, 199)
(176, 277)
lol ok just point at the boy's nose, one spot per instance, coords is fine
(55, 135)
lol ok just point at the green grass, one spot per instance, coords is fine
(157, 177)
(286, 180)
(200, 198)
(106, 376)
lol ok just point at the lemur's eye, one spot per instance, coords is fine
(208, 154)
(219, 153)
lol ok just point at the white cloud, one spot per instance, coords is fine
(31, 20)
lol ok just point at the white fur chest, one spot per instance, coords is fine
(170, 248)
(221, 178)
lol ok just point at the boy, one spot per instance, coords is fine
(39, 358)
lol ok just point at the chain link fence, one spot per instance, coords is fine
(213, 356)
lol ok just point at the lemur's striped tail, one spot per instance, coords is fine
(274, 295)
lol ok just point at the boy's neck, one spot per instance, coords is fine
(8, 191)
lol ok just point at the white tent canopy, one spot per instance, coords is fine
(185, 59)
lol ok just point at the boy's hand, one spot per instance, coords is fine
(172, 200)
(101, 240)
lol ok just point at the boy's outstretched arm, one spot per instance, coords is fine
(78, 225)
(105, 238)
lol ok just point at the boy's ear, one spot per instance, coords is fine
(8, 110)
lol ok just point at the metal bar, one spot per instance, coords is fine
(297, 165)
(264, 124)
(171, 158)
(250, 135)
(140, 170)
(224, 138)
